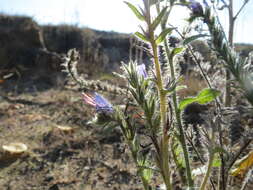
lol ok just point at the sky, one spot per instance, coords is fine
(112, 15)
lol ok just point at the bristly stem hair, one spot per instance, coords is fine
(182, 140)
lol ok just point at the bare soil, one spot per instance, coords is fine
(86, 159)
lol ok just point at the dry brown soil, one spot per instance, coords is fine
(86, 159)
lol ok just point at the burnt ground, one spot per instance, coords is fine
(86, 159)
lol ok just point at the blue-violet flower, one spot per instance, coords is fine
(196, 7)
(141, 70)
(97, 101)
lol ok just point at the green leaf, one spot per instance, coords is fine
(205, 96)
(179, 154)
(175, 51)
(219, 150)
(142, 29)
(183, 103)
(163, 34)
(192, 38)
(135, 11)
(152, 2)
(216, 162)
(180, 87)
(141, 36)
(158, 19)
(148, 174)
(172, 2)
(174, 88)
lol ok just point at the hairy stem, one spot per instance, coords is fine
(179, 122)
(163, 111)
(178, 116)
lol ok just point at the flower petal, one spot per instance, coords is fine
(102, 104)
(141, 70)
(89, 100)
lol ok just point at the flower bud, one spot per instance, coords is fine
(196, 8)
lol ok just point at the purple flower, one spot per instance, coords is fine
(141, 70)
(196, 7)
(97, 101)
(205, 3)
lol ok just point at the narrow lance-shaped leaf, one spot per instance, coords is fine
(135, 11)
(219, 150)
(158, 19)
(163, 34)
(141, 36)
(173, 86)
(152, 2)
(172, 2)
(192, 38)
(175, 51)
(142, 29)
(147, 171)
(205, 96)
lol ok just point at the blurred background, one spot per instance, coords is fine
(36, 97)
(35, 35)
(110, 15)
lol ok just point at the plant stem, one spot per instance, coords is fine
(200, 158)
(164, 151)
(228, 96)
(163, 110)
(180, 168)
(230, 40)
(134, 156)
(179, 122)
(209, 165)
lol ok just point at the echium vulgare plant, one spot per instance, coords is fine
(154, 132)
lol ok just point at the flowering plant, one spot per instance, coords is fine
(98, 101)
(156, 131)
